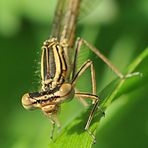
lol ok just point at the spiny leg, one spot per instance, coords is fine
(87, 95)
(93, 97)
(83, 68)
(53, 129)
(106, 60)
(54, 121)
(93, 79)
(101, 56)
(76, 51)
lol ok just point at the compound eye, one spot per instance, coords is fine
(65, 89)
(27, 102)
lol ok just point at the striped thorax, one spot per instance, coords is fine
(55, 64)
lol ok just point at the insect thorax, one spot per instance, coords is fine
(55, 63)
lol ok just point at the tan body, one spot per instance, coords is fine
(58, 67)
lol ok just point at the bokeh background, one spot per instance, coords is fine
(118, 27)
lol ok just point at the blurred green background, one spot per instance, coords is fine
(118, 27)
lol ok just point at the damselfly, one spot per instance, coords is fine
(58, 67)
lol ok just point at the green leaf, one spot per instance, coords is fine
(73, 135)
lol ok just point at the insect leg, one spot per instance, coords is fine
(92, 96)
(102, 57)
(53, 128)
(81, 71)
(96, 98)
(76, 51)
(54, 121)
